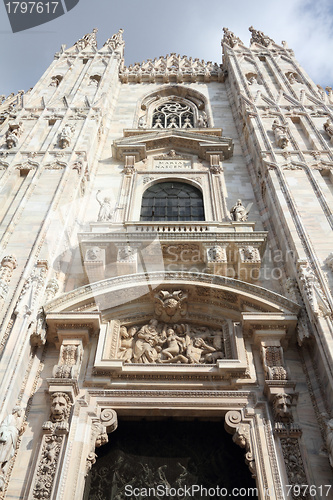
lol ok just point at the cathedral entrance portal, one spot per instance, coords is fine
(170, 458)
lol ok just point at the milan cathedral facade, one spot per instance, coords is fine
(166, 277)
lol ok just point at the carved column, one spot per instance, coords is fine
(288, 434)
(55, 432)
(70, 333)
(280, 391)
(8, 264)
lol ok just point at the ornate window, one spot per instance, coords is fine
(172, 201)
(173, 115)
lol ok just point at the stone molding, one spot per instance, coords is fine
(74, 298)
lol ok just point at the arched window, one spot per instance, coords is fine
(168, 201)
(173, 115)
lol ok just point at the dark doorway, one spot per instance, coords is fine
(169, 459)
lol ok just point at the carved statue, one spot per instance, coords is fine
(238, 212)
(88, 40)
(126, 254)
(176, 345)
(142, 122)
(282, 407)
(292, 77)
(148, 343)
(329, 440)
(93, 253)
(280, 132)
(66, 136)
(251, 253)
(116, 40)
(60, 407)
(158, 123)
(106, 211)
(252, 78)
(125, 351)
(230, 38)
(159, 343)
(10, 430)
(328, 126)
(216, 254)
(13, 133)
(259, 37)
(203, 120)
(55, 80)
(197, 350)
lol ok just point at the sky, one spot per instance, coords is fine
(155, 28)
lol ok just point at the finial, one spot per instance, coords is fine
(259, 37)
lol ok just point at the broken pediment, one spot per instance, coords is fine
(202, 142)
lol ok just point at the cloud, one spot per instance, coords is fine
(189, 27)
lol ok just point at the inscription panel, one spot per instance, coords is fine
(172, 164)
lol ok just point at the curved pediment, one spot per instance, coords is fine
(216, 294)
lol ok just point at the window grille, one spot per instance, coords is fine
(172, 201)
(173, 115)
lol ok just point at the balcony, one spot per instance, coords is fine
(232, 249)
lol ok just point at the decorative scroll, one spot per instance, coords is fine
(241, 436)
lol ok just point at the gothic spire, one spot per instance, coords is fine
(230, 38)
(259, 37)
(88, 40)
(116, 40)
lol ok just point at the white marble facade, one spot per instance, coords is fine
(106, 313)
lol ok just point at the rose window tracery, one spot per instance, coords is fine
(173, 115)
